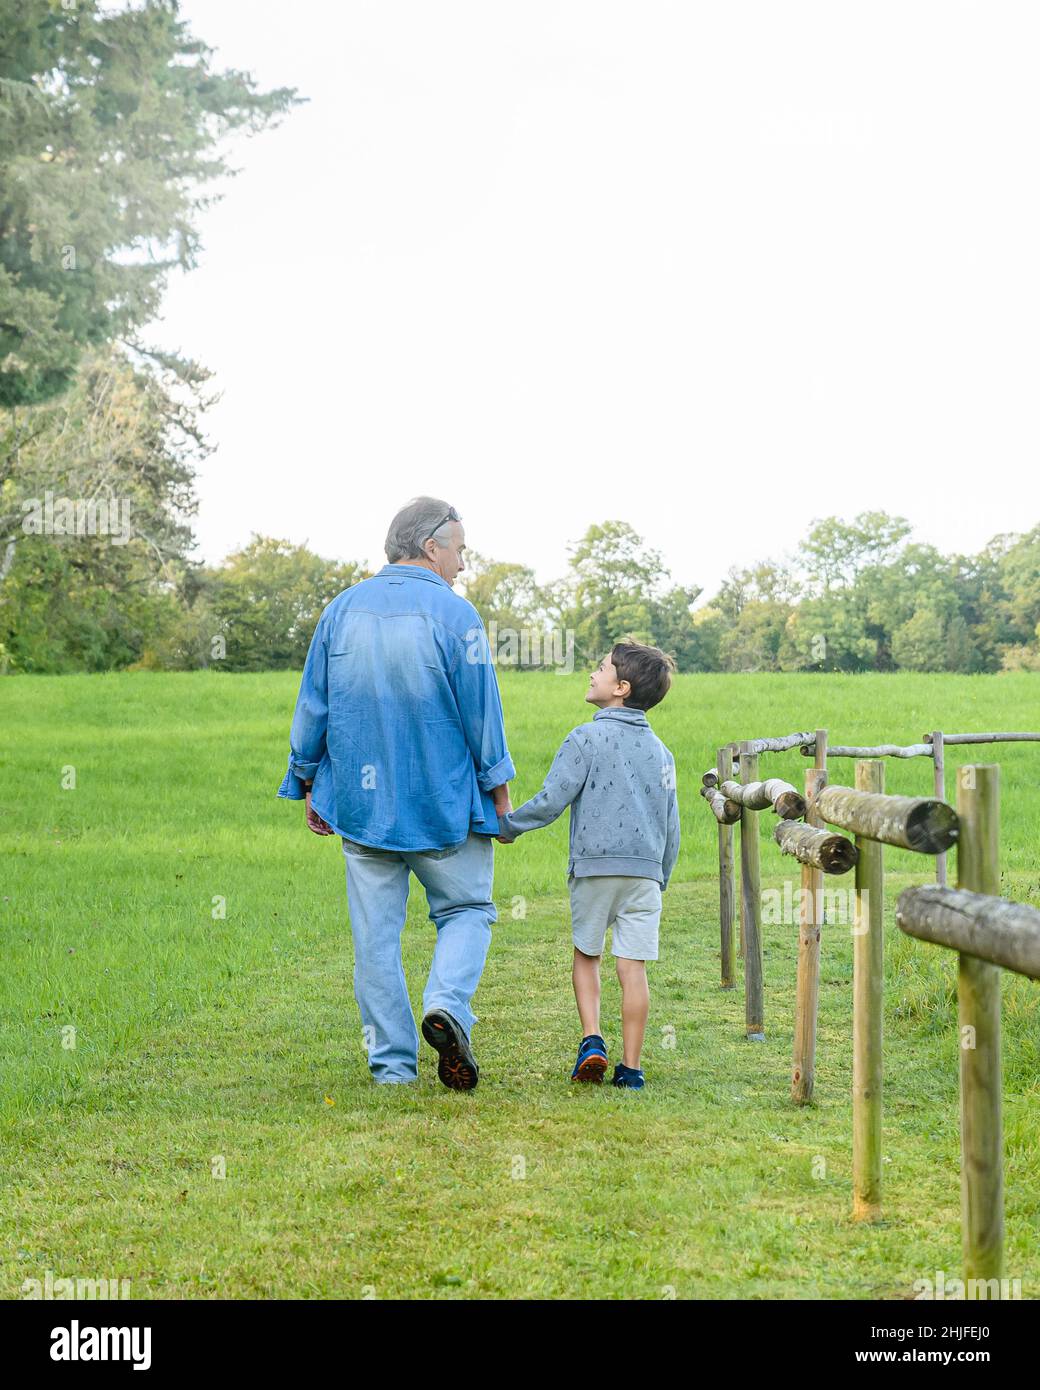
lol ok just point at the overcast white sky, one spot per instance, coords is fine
(714, 269)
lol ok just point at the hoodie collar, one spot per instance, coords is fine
(627, 716)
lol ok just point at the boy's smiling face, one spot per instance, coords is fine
(605, 690)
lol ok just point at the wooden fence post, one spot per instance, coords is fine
(733, 748)
(938, 756)
(807, 994)
(978, 996)
(727, 884)
(820, 755)
(751, 903)
(867, 995)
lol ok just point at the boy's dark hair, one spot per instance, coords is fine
(648, 671)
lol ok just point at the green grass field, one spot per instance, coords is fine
(198, 1038)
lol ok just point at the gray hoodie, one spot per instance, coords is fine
(618, 778)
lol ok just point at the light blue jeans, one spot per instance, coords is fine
(458, 884)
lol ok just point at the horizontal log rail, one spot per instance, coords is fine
(987, 738)
(775, 795)
(726, 812)
(994, 929)
(882, 750)
(909, 822)
(820, 849)
(806, 745)
(779, 745)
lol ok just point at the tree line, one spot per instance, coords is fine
(857, 595)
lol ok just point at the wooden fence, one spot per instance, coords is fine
(989, 933)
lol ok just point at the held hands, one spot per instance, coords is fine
(314, 821)
(503, 806)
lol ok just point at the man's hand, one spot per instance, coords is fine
(315, 822)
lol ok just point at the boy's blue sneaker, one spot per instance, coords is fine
(632, 1077)
(592, 1059)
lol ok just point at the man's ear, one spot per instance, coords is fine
(624, 689)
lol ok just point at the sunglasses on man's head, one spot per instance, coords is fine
(452, 516)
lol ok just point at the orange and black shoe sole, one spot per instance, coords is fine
(457, 1067)
(592, 1069)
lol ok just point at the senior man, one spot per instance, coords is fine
(398, 746)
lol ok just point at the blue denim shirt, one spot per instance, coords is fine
(399, 719)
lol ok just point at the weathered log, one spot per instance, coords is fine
(831, 854)
(790, 805)
(910, 822)
(774, 794)
(994, 929)
(987, 738)
(777, 745)
(725, 812)
(710, 778)
(883, 750)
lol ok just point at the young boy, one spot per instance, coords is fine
(619, 780)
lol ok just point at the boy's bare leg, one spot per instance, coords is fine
(635, 1007)
(586, 991)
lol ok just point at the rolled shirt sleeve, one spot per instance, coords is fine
(310, 721)
(479, 704)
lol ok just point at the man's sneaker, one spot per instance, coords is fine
(632, 1077)
(457, 1067)
(592, 1059)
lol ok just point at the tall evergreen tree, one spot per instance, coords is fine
(110, 128)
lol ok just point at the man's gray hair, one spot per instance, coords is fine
(416, 523)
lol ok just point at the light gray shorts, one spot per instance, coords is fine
(632, 906)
